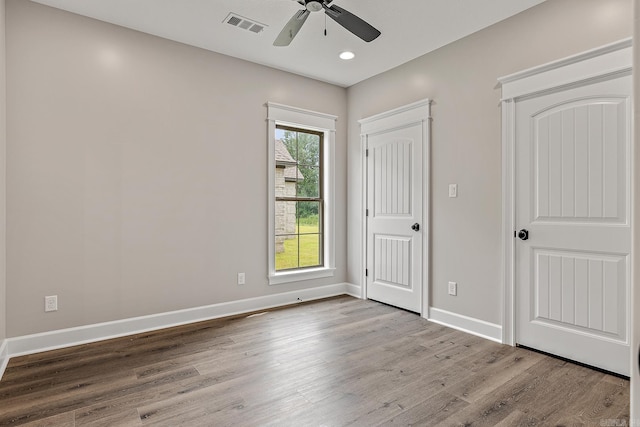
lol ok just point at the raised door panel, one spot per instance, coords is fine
(392, 185)
(581, 292)
(579, 161)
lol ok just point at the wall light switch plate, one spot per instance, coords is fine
(453, 190)
(241, 279)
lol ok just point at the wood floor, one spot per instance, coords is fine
(335, 362)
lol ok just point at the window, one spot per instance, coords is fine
(298, 191)
(300, 194)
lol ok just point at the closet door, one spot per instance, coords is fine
(572, 217)
(396, 184)
(395, 225)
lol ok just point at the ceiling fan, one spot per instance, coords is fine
(343, 17)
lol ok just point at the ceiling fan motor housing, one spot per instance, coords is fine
(313, 6)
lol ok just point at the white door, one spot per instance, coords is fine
(394, 219)
(573, 198)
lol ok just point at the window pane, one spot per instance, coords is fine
(290, 141)
(309, 217)
(285, 218)
(304, 148)
(310, 250)
(309, 181)
(286, 252)
(308, 149)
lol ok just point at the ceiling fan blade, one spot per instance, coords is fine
(352, 23)
(291, 29)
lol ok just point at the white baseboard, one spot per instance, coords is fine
(52, 340)
(470, 325)
(4, 357)
(354, 290)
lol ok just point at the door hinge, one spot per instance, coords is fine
(366, 272)
(515, 233)
(367, 152)
(367, 213)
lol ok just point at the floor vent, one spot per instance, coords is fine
(244, 23)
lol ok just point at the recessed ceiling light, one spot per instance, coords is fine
(347, 55)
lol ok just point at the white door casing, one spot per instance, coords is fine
(566, 151)
(635, 289)
(396, 224)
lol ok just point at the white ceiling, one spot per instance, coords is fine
(410, 28)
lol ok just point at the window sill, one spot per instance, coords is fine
(296, 276)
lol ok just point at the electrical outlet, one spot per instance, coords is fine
(453, 288)
(241, 279)
(51, 303)
(453, 190)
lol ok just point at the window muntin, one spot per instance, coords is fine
(299, 216)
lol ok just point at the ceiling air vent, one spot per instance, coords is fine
(244, 23)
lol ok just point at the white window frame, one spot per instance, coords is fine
(278, 114)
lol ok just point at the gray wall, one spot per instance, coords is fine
(3, 144)
(137, 174)
(466, 140)
(122, 146)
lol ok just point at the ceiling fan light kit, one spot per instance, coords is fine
(348, 20)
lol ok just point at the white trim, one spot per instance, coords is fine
(294, 115)
(329, 197)
(411, 113)
(470, 325)
(417, 112)
(4, 357)
(573, 59)
(363, 215)
(508, 223)
(354, 290)
(608, 61)
(426, 209)
(299, 275)
(62, 338)
(278, 114)
(635, 250)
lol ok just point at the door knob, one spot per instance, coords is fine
(415, 227)
(523, 234)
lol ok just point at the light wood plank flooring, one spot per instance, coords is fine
(335, 362)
